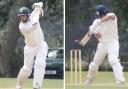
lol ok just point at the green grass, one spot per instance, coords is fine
(104, 80)
(47, 83)
(96, 87)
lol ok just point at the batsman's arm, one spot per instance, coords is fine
(88, 35)
(109, 16)
(92, 30)
(38, 8)
(38, 11)
(34, 18)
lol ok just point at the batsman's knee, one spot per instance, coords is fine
(25, 72)
(93, 69)
(40, 63)
(93, 66)
(113, 60)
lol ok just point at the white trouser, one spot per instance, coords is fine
(112, 49)
(39, 53)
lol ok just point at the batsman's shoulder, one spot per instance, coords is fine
(111, 14)
(96, 21)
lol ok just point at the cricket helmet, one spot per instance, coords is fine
(24, 11)
(101, 10)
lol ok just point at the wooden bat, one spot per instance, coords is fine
(85, 39)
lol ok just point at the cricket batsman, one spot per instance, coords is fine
(35, 50)
(105, 30)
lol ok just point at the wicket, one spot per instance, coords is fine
(75, 66)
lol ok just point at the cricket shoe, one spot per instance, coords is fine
(120, 82)
(88, 81)
(18, 85)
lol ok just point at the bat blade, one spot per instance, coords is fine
(85, 39)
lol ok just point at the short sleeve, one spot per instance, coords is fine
(111, 14)
(93, 27)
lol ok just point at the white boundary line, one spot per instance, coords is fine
(64, 41)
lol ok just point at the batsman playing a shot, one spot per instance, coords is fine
(35, 47)
(105, 30)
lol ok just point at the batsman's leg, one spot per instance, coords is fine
(22, 76)
(27, 67)
(113, 52)
(94, 65)
(39, 69)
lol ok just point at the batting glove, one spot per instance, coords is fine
(38, 5)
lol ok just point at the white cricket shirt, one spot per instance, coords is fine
(31, 30)
(107, 29)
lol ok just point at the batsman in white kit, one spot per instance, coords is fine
(35, 47)
(105, 30)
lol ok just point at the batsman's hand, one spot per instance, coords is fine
(97, 35)
(37, 5)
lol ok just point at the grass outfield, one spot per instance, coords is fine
(104, 80)
(9, 83)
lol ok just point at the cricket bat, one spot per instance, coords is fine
(85, 39)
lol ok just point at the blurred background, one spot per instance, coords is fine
(80, 15)
(11, 40)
